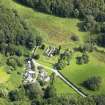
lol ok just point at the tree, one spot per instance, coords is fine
(101, 17)
(100, 100)
(38, 42)
(43, 47)
(50, 92)
(52, 78)
(12, 62)
(86, 101)
(89, 23)
(14, 33)
(21, 93)
(34, 91)
(76, 13)
(68, 59)
(38, 102)
(3, 92)
(79, 60)
(3, 48)
(19, 62)
(18, 52)
(36, 56)
(101, 40)
(85, 58)
(92, 83)
(13, 95)
(30, 41)
(59, 65)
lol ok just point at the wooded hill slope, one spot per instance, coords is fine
(92, 12)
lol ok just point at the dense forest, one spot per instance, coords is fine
(92, 13)
(14, 32)
(35, 95)
(68, 8)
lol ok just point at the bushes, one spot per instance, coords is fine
(3, 91)
(84, 59)
(43, 47)
(64, 59)
(100, 100)
(101, 40)
(33, 91)
(14, 62)
(19, 62)
(101, 17)
(88, 24)
(92, 83)
(11, 62)
(33, 95)
(37, 56)
(74, 38)
(13, 96)
(38, 41)
(50, 92)
(59, 65)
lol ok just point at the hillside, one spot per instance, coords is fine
(55, 31)
(50, 26)
(79, 45)
(46, 26)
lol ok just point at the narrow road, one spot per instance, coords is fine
(63, 78)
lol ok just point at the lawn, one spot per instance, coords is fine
(3, 75)
(60, 86)
(15, 79)
(12, 80)
(78, 73)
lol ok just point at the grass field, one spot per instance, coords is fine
(12, 80)
(57, 31)
(60, 86)
(79, 73)
(15, 79)
(3, 75)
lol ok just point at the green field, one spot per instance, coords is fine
(60, 86)
(57, 31)
(15, 79)
(3, 75)
(79, 73)
(10, 80)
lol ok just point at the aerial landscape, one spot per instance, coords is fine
(52, 52)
